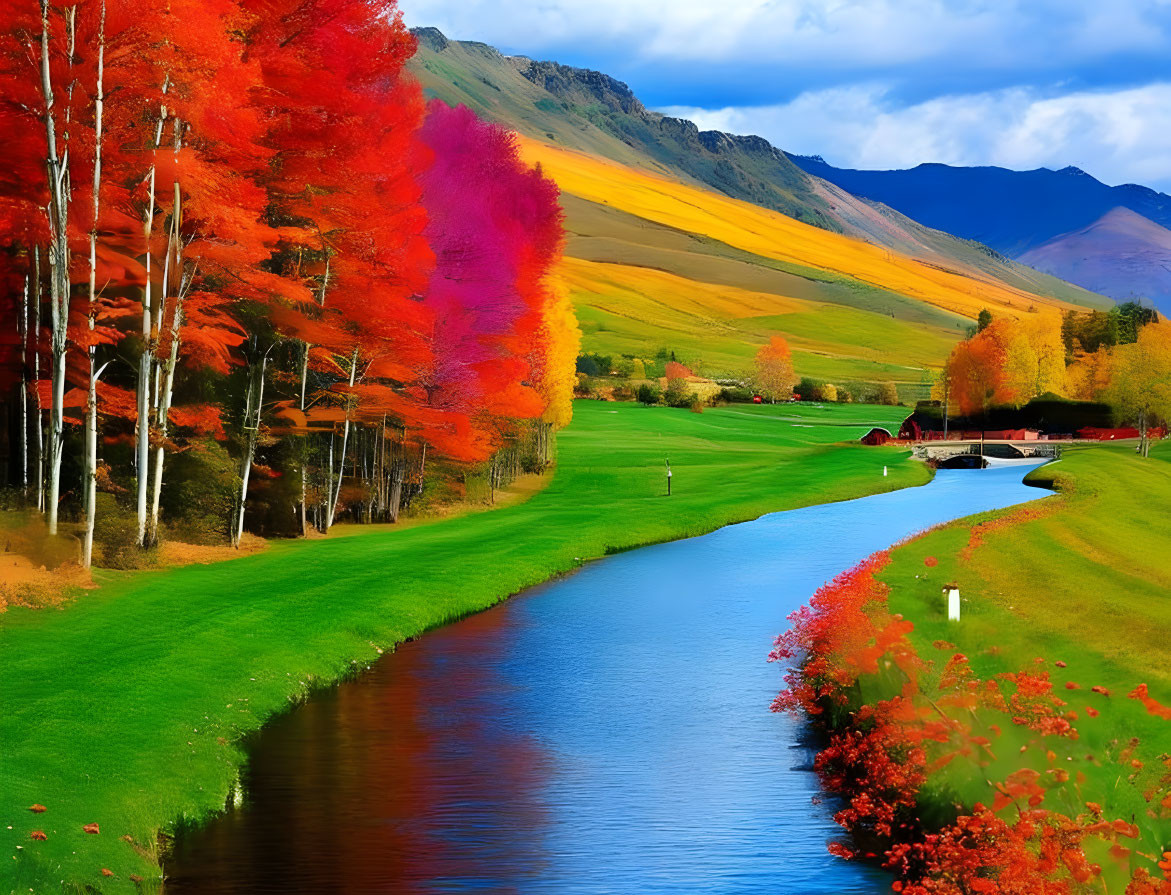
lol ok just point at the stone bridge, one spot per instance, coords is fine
(992, 448)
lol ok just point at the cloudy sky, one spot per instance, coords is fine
(875, 83)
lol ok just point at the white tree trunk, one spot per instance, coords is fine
(40, 419)
(145, 365)
(304, 443)
(163, 421)
(166, 372)
(90, 480)
(252, 414)
(336, 491)
(59, 286)
(91, 451)
(23, 333)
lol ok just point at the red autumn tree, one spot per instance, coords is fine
(343, 122)
(487, 218)
(975, 373)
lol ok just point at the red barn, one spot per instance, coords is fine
(877, 436)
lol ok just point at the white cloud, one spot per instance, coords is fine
(1118, 136)
(925, 78)
(849, 34)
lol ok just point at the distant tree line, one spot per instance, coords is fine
(1105, 329)
(1121, 357)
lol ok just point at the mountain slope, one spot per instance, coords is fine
(1122, 252)
(598, 115)
(706, 245)
(1018, 212)
(771, 235)
(594, 113)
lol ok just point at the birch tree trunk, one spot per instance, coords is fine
(91, 400)
(162, 424)
(252, 412)
(40, 421)
(336, 493)
(396, 490)
(91, 450)
(23, 331)
(167, 371)
(58, 277)
(142, 430)
(304, 441)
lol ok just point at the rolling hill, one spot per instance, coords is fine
(706, 244)
(1122, 254)
(1064, 222)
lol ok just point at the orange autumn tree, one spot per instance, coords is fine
(975, 375)
(773, 374)
(1009, 362)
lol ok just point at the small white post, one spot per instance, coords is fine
(884, 471)
(953, 602)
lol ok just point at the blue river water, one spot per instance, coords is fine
(608, 732)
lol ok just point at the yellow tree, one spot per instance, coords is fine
(1089, 374)
(1140, 387)
(773, 375)
(1034, 356)
(557, 343)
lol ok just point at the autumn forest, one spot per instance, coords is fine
(255, 280)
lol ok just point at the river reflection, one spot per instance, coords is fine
(604, 733)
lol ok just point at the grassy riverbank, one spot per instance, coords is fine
(1081, 579)
(124, 709)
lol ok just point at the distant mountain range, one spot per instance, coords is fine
(1110, 239)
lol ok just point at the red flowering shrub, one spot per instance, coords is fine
(894, 725)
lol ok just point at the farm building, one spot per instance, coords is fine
(877, 436)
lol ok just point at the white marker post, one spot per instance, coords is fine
(668, 478)
(952, 592)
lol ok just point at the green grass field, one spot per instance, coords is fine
(1087, 583)
(125, 708)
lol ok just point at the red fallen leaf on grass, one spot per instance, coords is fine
(107, 872)
(1059, 664)
(37, 809)
(90, 828)
(38, 835)
(135, 878)
(1070, 685)
(1099, 689)
(931, 562)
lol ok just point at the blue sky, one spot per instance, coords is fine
(875, 83)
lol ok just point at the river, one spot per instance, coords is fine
(607, 732)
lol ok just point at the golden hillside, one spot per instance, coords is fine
(653, 263)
